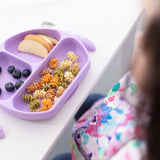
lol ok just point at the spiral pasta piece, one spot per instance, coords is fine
(46, 104)
(63, 84)
(74, 71)
(54, 81)
(33, 87)
(46, 86)
(60, 91)
(72, 56)
(51, 93)
(68, 77)
(47, 71)
(34, 104)
(34, 110)
(39, 94)
(46, 78)
(53, 63)
(55, 99)
(27, 97)
(59, 71)
(65, 64)
(76, 65)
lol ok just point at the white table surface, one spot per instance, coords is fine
(106, 22)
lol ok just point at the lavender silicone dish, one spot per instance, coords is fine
(12, 102)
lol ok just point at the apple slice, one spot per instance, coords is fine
(46, 39)
(33, 47)
(40, 40)
(53, 40)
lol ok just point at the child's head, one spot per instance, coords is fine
(146, 73)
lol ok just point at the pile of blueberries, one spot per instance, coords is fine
(16, 73)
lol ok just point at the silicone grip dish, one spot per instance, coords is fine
(12, 102)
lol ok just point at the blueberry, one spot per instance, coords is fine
(18, 83)
(16, 74)
(9, 86)
(0, 90)
(11, 69)
(26, 72)
(0, 69)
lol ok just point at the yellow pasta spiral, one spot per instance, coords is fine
(68, 77)
(39, 94)
(72, 56)
(65, 64)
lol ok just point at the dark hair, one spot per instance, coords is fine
(151, 49)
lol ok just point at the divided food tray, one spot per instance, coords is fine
(12, 102)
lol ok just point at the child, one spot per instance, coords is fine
(125, 126)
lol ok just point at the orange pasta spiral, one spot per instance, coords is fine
(54, 81)
(46, 78)
(46, 71)
(53, 63)
(46, 104)
(33, 87)
(51, 94)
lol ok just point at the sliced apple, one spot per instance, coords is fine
(33, 47)
(40, 40)
(46, 39)
(53, 40)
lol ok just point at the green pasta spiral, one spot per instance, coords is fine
(63, 84)
(59, 71)
(34, 104)
(74, 71)
(34, 110)
(46, 86)
(27, 97)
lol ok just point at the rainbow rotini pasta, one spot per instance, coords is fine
(34, 110)
(55, 99)
(65, 64)
(59, 71)
(63, 84)
(46, 86)
(34, 104)
(47, 71)
(72, 56)
(27, 97)
(68, 77)
(54, 81)
(53, 63)
(46, 104)
(51, 93)
(76, 65)
(33, 87)
(39, 94)
(74, 71)
(60, 91)
(46, 78)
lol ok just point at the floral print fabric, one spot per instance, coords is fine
(108, 128)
